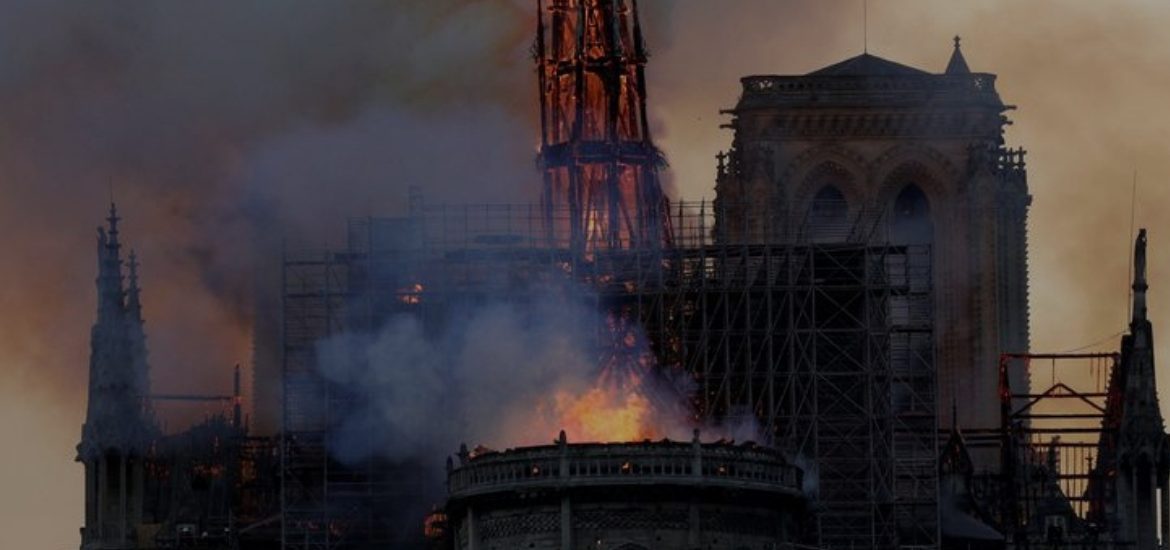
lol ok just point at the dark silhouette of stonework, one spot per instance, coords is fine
(119, 426)
(868, 149)
(1134, 458)
(145, 489)
(1083, 458)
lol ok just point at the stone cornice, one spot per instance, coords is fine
(837, 124)
(975, 89)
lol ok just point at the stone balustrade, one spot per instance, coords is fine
(772, 85)
(744, 466)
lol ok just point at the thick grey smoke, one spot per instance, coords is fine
(505, 373)
(224, 129)
(487, 374)
(221, 127)
(182, 105)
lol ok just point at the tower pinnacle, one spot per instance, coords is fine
(113, 220)
(109, 281)
(133, 300)
(957, 64)
(118, 423)
(1139, 278)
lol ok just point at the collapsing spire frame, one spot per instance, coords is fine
(599, 164)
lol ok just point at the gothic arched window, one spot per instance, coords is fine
(910, 221)
(828, 215)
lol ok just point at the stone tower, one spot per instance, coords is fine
(601, 188)
(1140, 458)
(118, 424)
(869, 150)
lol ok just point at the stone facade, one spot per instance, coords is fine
(869, 150)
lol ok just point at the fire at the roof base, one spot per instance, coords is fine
(506, 373)
(601, 414)
(621, 405)
(623, 409)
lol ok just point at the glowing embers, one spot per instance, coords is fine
(601, 190)
(595, 113)
(411, 294)
(606, 206)
(435, 525)
(629, 122)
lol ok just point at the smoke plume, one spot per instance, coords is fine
(510, 372)
(223, 127)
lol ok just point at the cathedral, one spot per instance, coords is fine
(858, 290)
(869, 150)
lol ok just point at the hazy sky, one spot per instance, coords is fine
(221, 126)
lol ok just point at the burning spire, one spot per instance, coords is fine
(601, 187)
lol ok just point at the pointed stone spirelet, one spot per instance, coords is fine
(958, 64)
(113, 220)
(1140, 286)
(133, 300)
(111, 294)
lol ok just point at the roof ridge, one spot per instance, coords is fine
(868, 64)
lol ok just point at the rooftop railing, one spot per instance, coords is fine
(777, 85)
(746, 466)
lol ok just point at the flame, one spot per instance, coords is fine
(435, 525)
(605, 414)
(617, 407)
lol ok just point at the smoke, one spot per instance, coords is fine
(206, 118)
(473, 381)
(205, 121)
(500, 371)
(507, 370)
(225, 128)
(512, 371)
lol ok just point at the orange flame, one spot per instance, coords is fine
(602, 414)
(615, 408)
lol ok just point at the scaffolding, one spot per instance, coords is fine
(1054, 445)
(826, 340)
